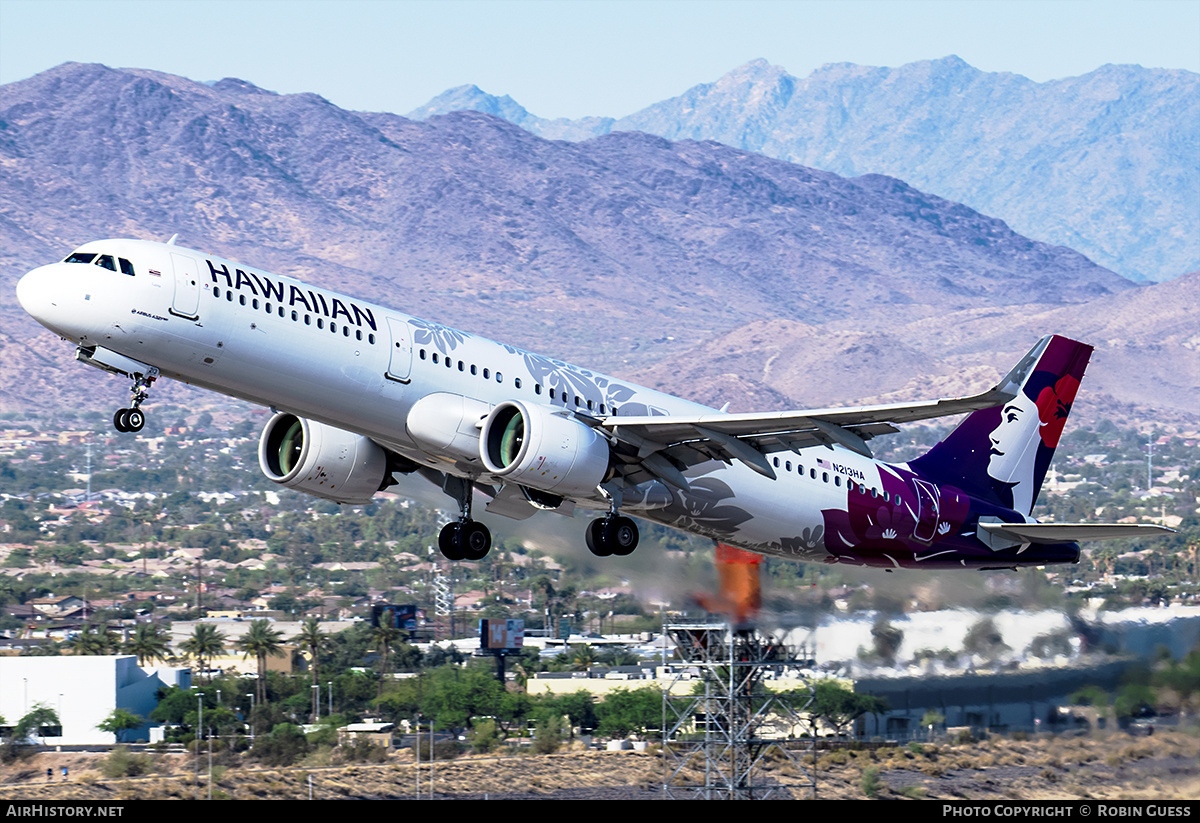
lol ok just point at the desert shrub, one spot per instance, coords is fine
(483, 736)
(124, 763)
(442, 750)
(362, 751)
(282, 747)
(547, 735)
(870, 782)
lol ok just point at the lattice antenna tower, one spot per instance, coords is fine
(727, 735)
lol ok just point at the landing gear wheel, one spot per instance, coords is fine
(622, 535)
(611, 535)
(133, 418)
(465, 540)
(476, 540)
(449, 543)
(596, 538)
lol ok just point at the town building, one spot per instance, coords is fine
(83, 690)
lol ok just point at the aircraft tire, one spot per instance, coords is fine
(450, 542)
(135, 419)
(475, 539)
(622, 534)
(597, 538)
(121, 420)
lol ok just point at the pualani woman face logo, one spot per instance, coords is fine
(1029, 429)
(1014, 447)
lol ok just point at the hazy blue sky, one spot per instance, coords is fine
(569, 58)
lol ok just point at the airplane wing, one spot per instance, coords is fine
(666, 444)
(1071, 532)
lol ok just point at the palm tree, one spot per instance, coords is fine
(262, 641)
(149, 644)
(317, 641)
(92, 641)
(385, 636)
(583, 657)
(204, 644)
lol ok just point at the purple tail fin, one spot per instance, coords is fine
(1001, 454)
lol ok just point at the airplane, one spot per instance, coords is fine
(361, 393)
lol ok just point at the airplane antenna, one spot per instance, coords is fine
(174, 237)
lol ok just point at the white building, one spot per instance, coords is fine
(84, 690)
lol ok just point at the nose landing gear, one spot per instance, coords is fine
(133, 418)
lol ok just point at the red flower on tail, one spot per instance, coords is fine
(1054, 404)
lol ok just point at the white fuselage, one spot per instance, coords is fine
(361, 367)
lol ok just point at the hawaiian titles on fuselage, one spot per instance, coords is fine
(293, 295)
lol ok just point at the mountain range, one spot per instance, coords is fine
(711, 271)
(1105, 163)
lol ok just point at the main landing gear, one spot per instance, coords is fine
(463, 539)
(614, 533)
(133, 418)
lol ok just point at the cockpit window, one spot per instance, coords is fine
(81, 257)
(126, 266)
(106, 260)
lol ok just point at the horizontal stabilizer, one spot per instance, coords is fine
(1071, 532)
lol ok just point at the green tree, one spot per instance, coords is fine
(984, 639)
(580, 709)
(548, 734)
(203, 645)
(838, 706)
(149, 643)
(626, 711)
(385, 637)
(313, 638)
(886, 640)
(91, 640)
(120, 721)
(582, 657)
(35, 723)
(261, 641)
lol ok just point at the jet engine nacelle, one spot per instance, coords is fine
(543, 449)
(321, 460)
(447, 424)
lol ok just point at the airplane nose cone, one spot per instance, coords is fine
(44, 295)
(35, 293)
